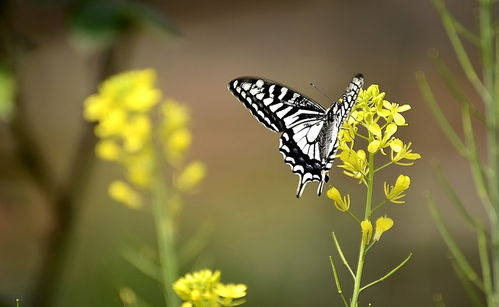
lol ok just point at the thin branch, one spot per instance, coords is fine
(455, 199)
(342, 256)
(393, 271)
(440, 118)
(454, 249)
(451, 83)
(476, 166)
(485, 263)
(471, 292)
(337, 281)
(462, 55)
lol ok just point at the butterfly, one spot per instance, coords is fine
(309, 139)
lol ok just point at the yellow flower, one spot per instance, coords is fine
(136, 133)
(112, 124)
(394, 111)
(342, 204)
(231, 290)
(354, 163)
(175, 116)
(402, 151)
(191, 176)
(108, 150)
(367, 231)
(187, 304)
(382, 224)
(177, 144)
(198, 286)
(395, 193)
(380, 141)
(96, 107)
(139, 168)
(122, 192)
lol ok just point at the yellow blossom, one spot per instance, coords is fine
(108, 150)
(231, 290)
(122, 192)
(380, 141)
(367, 231)
(394, 111)
(382, 224)
(402, 151)
(139, 169)
(395, 193)
(354, 163)
(176, 144)
(175, 116)
(342, 204)
(112, 124)
(191, 176)
(136, 133)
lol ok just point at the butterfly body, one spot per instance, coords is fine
(309, 139)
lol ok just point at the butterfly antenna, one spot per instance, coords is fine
(323, 94)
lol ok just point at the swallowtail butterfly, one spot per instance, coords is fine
(309, 139)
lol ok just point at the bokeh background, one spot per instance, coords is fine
(263, 236)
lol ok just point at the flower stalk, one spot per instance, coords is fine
(380, 120)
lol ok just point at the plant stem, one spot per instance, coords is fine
(164, 234)
(362, 250)
(337, 281)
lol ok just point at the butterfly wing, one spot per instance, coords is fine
(304, 124)
(275, 106)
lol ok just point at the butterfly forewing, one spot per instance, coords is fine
(309, 136)
(275, 106)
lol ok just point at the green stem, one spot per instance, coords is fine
(383, 166)
(337, 281)
(164, 233)
(367, 215)
(342, 256)
(381, 204)
(353, 216)
(393, 271)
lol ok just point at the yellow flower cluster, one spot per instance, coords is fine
(380, 120)
(203, 288)
(122, 111)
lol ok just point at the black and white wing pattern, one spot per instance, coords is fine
(309, 132)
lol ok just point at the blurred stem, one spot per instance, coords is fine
(476, 167)
(454, 249)
(487, 52)
(456, 200)
(362, 249)
(63, 203)
(461, 54)
(485, 264)
(451, 83)
(442, 121)
(165, 240)
(471, 292)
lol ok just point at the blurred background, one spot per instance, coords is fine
(264, 237)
